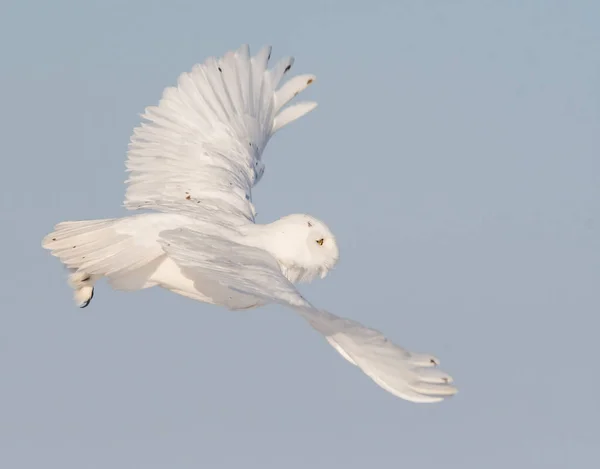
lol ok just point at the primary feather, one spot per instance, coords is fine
(195, 160)
(204, 141)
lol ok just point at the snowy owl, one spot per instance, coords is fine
(193, 163)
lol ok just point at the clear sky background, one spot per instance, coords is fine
(454, 153)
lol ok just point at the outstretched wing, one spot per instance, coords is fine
(203, 143)
(247, 272)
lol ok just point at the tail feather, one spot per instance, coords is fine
(136, 279)
(93, 249)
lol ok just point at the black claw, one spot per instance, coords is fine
(83, 305)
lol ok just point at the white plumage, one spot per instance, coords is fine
(194, 163)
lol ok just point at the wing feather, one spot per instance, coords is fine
(291, 89)
(204, 141)
(253, 273)
(290, 114)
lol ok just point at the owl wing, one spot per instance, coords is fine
(251, 276)
(204, 141)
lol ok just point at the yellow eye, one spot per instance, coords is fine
(320, 241)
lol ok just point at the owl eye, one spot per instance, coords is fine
(320, 241)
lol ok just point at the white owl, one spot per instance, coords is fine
(194, 163)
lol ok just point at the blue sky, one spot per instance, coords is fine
(454, 153)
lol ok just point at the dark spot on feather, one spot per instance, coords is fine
(188, 197)
(309, 81)
(219, 69)
(85, 279)
(269, 57)
(53, 239)
(74, 247)
(309, 224)
(287, 68)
